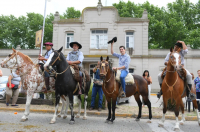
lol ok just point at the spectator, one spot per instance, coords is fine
(149, 81)
(15, 79)
(197, 84)
(96, 88)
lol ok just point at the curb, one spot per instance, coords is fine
(170, 117)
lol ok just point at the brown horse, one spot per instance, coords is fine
(173, 88)
(111, 90)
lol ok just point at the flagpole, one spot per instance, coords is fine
(41, 46)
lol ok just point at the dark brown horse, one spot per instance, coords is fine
(173, 87)
(111, 90)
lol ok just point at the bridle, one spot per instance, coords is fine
(50, 67)
(11, 57)
(172, 64)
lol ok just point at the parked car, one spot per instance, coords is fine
(3, 82)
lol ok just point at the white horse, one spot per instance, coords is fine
(32, 79)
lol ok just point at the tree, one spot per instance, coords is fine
(72, 13)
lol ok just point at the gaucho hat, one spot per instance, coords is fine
(48, 43)
(72, 43)
(179, 44)
(114, 39)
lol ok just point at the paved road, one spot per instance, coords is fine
(10, 122)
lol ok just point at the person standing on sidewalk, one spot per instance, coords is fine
(96, 88)
(15, 79)
(197, 85)
(1, 73)
(149, 81)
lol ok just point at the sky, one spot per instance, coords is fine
(21, 7)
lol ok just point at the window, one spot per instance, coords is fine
(131, 70)
(99, 39)
(91, 70)
(69, 39)
(130, 40)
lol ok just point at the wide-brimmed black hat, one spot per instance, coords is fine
(179, 44)
(114, 39)
(72, 43)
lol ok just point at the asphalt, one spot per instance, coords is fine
(154, 101)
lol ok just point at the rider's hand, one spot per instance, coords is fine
(69, 62)
(115, 68)
(41, 58)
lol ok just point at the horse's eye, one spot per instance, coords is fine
(9, 55)
(171, 57)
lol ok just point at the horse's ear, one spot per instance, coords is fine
(60, 49)
(13, 49)
(101, 58)
(171, 49)
(107, 58)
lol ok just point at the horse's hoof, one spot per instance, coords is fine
(160, 125)
(149, 121)
(23, 120)
(137, 119)
(77, 116)
(84, 118)
(177, 129)
(106, 121)
(52, 122)
(64, 117)
(110, 122)
(58, 116)
(181, 122)
(71, 122)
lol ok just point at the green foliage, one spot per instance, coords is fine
(179, 21)
(72, 13)
(89, 99)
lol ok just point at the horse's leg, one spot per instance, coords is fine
(63, 105)
(53, 120)
(79, 107)
(72, 121)
(85, 106)
(165, 101)
(183, 115)
(67, 106)
(178, 103)
(196, 108)
(28, 103)
(109, 109)
(148, 103)
(113, 111)
(137, 98)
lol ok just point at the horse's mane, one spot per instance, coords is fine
(25, 57)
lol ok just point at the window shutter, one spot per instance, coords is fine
(131, 40)
(93, 42)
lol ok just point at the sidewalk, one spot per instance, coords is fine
(124, 110)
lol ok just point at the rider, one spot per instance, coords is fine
(124, 60)
(181, 48)
(49, 49)
(76, 57)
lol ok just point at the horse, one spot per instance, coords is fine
(65, 83)
(173, 88)
(111, 90)
(32, 79)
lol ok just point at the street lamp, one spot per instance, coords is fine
(41, 46)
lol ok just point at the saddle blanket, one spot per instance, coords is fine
(128, 79)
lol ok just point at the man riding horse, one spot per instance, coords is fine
(76, 57)
(124, 60)
(49, 49)
(181, 48)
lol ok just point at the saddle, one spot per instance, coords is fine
(128, 79)
(182, 73)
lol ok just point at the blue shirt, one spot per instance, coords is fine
(97, 76)
(124, 60)
(75, 56)
(47, 54)
(197, 83)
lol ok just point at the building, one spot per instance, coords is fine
(96, 26)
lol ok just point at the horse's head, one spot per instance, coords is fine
(175, 59)
(10, 60)
(53, 59)
(104, 67)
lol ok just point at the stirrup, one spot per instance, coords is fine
(159, 95)
(123, 95)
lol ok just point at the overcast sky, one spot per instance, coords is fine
(20, 7)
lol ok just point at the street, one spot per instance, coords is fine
(10, 122)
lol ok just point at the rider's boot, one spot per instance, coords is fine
(190, 96)
(80, 84)
(160, 93)
(47, 83)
